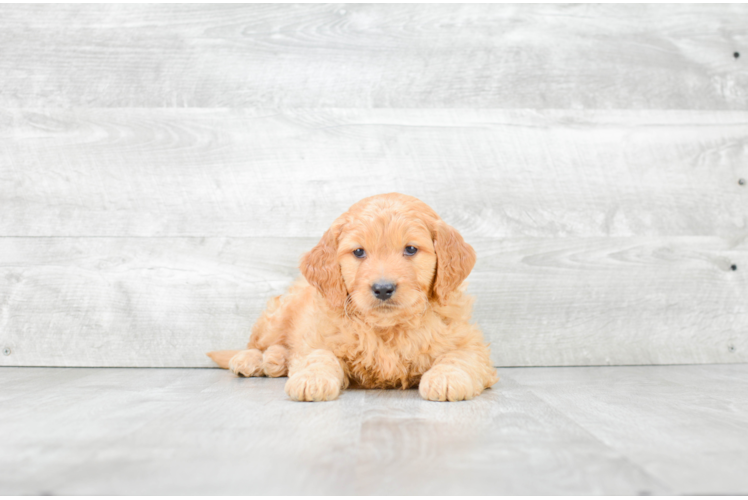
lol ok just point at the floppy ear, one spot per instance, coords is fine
(321, 269)
(454, 261)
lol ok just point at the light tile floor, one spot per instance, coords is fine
(598, 430)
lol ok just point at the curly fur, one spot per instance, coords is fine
(328, 330)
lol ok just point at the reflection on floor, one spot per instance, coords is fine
(598, 430)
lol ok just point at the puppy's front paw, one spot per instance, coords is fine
(274, 361)
(247, 363)
(446, 383)
(313, 384)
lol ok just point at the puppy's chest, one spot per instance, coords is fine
(395, 360)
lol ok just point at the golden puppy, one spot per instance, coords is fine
(382, 305)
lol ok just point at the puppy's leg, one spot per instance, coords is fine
(457, 376)
(318, 376)
(247, 363)
(274, 361)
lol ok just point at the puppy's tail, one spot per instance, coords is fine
(221, 358)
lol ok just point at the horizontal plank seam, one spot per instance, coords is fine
(498, 367)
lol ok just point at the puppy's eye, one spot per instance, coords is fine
(410, 250)
(359, 252)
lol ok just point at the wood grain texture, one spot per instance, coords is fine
(374, 56)
(562, 431)
(101, 432)
(162, 167)
(167, 301)
(490, 173)
(640, 414)
(506, 442)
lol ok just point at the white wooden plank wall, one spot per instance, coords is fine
(492, 173)
(162, 168)
(375, 56)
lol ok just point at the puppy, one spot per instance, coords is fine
(382, 304)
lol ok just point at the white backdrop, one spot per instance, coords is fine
(163, 167)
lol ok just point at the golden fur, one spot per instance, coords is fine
(329, 329)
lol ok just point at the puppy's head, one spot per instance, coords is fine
(386, 257)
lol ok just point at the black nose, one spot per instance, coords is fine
(383, 290)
